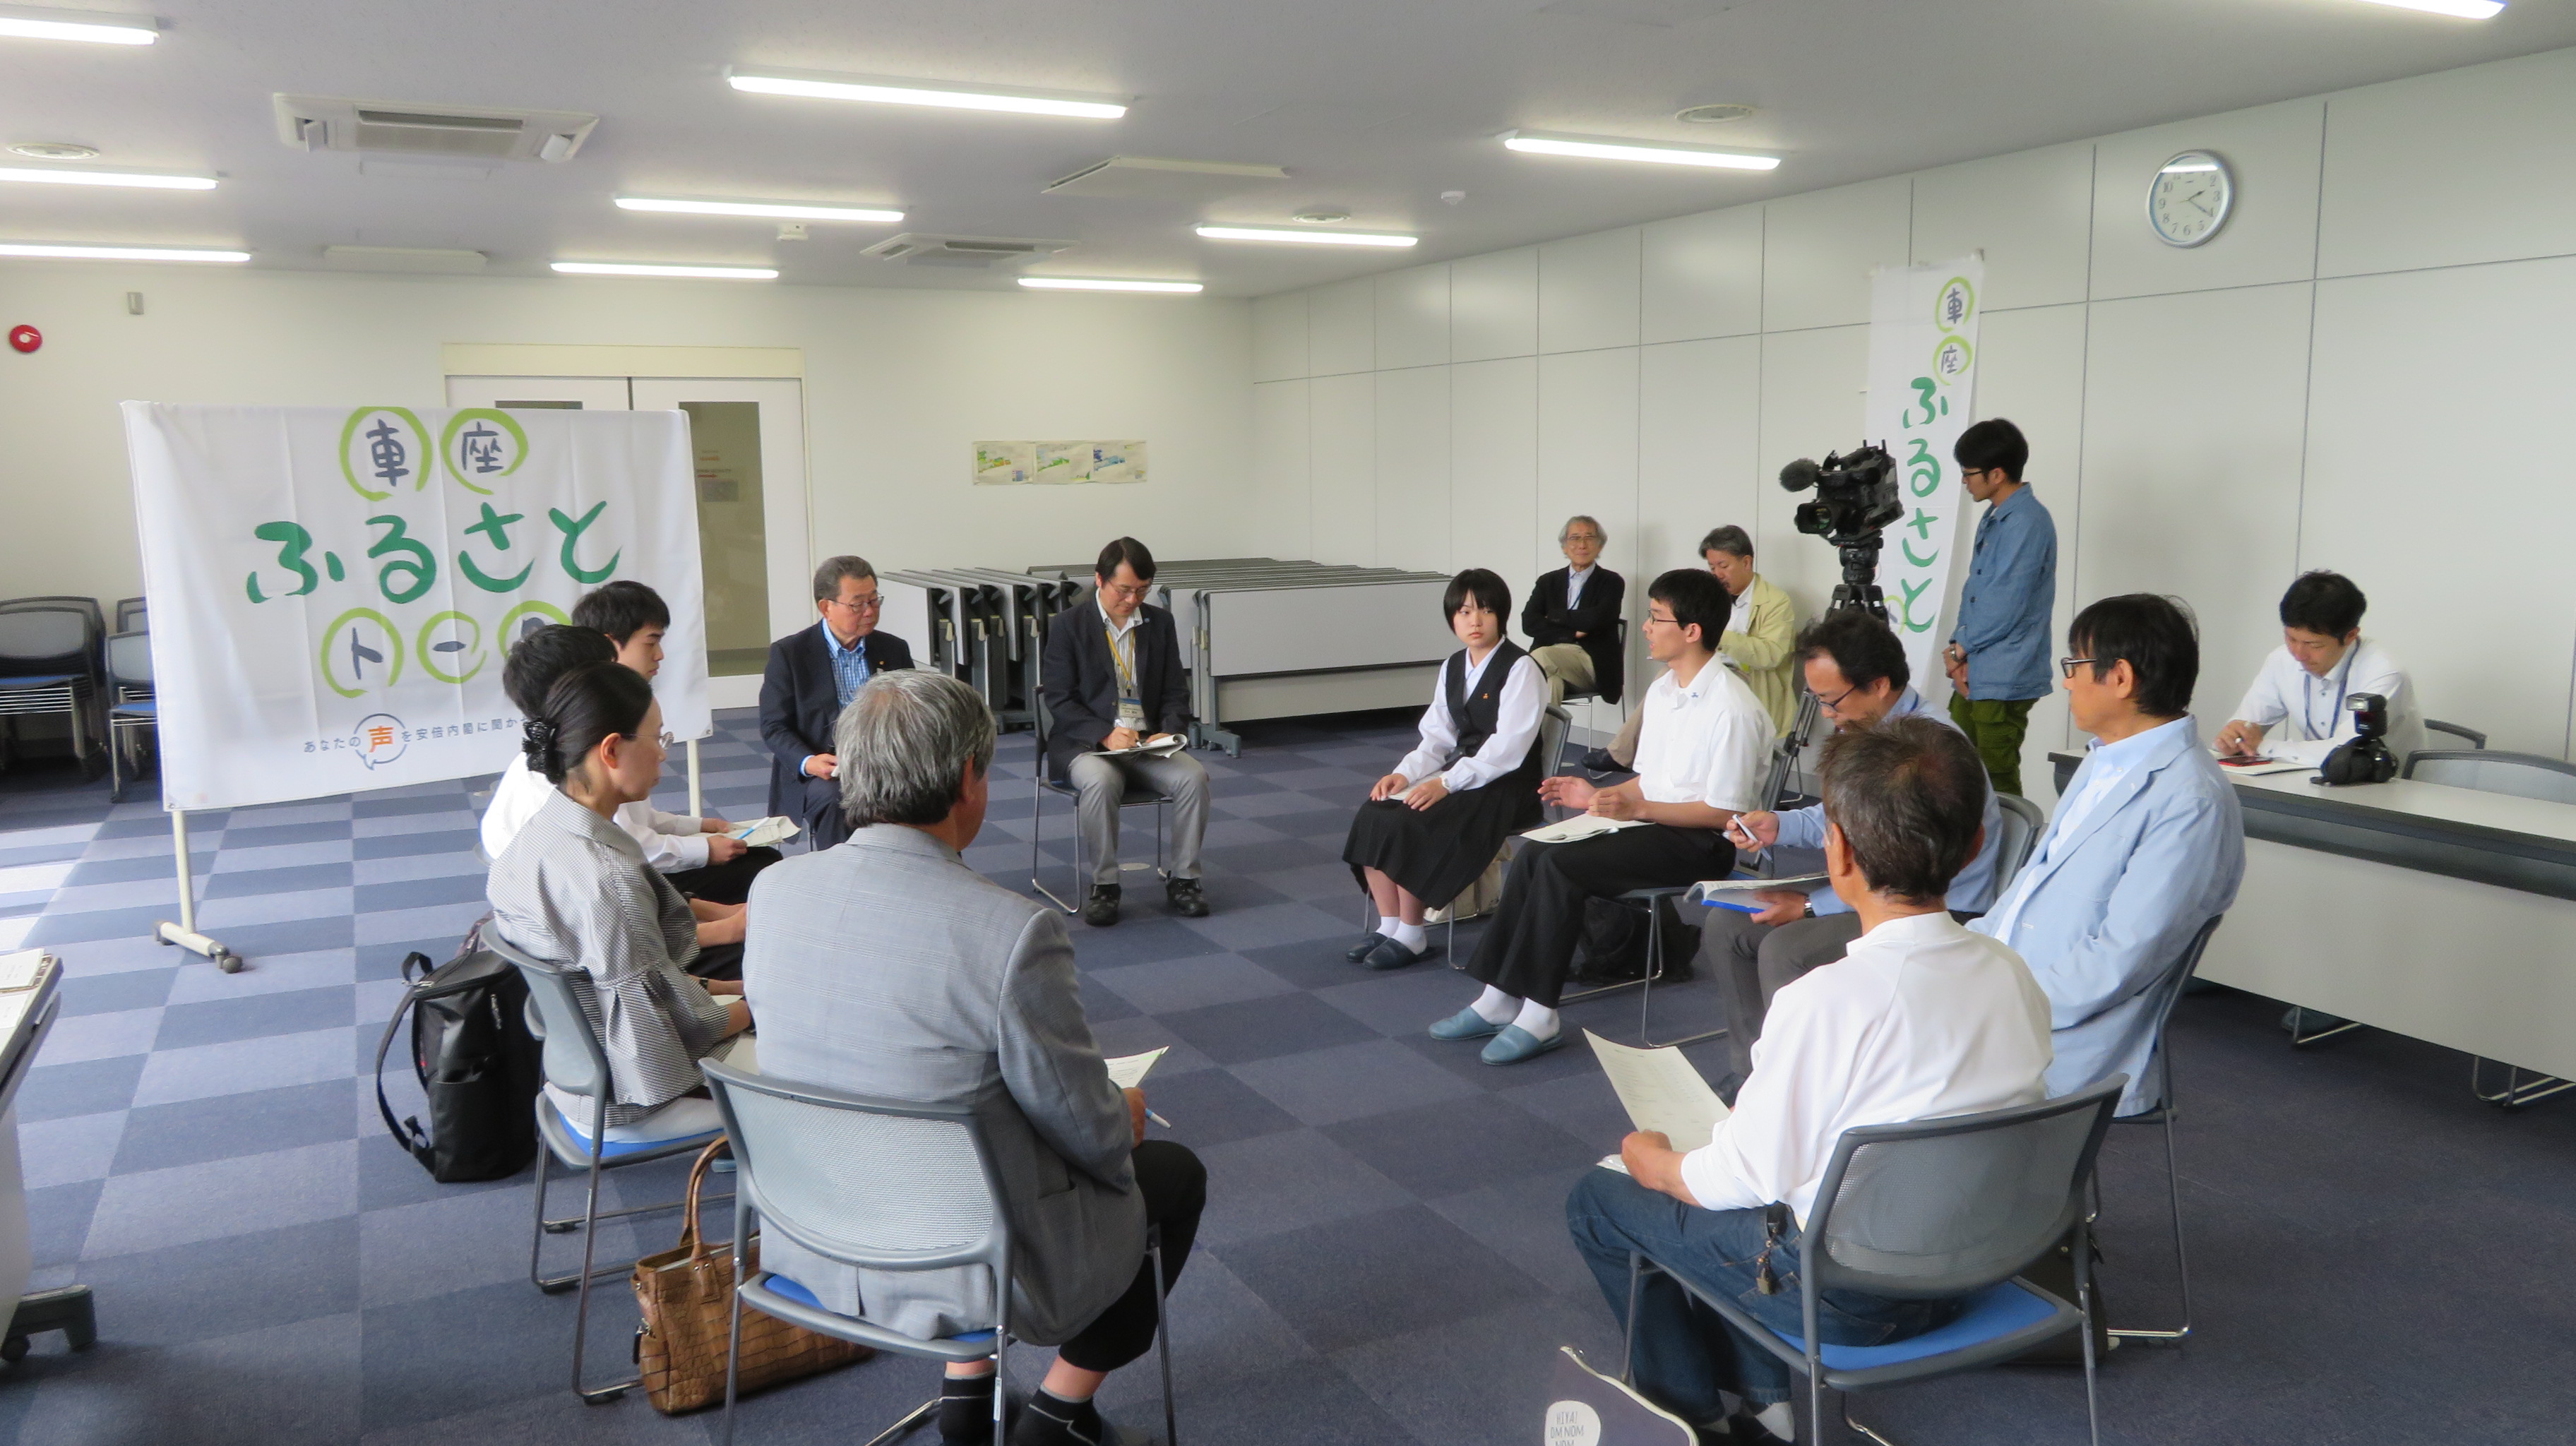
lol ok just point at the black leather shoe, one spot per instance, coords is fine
(1185, 898)
(1392, 955)
(1101, 909)
(1598, 760)
(1359, 952)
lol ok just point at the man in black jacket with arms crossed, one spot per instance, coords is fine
(1572, 618)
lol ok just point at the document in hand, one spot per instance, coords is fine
(1662, 1092)
(769, 832)
(1129, 1070)
(1581, 826)
(23, 969)
(1159, 748)
(1726, 893)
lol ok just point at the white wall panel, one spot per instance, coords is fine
(1703, 276)
(1413, 317)
(2030, 368)
(1698, 422)
(2446, 505)
(2031, 213)
(1279, 337)
(2191, 472)
(1493, 470)
(1818, 250)
(1343, 493)
(1587, 292)
(1493, 305)
(1811, 404)
(2443, 170)
(2271, 232)
(1413, 468)
(1281, 502)
(1341, 328)
(1587, 462)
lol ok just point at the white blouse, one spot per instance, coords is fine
(1515, 726)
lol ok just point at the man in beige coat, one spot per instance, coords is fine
(1760, 643)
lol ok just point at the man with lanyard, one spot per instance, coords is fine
(1113, 683)
(2298, 697)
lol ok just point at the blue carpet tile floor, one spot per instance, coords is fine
(2376, 1255)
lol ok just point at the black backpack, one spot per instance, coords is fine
(477, 1062)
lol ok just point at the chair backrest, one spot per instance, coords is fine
(86, 606)
(129, 660)
(2470, 736)
(2023, 821)
(40, 631)
(1950, 1206)
(886, 1184)
(575, 1063)
(1553, 726)
(130, 615)
(2524, 775)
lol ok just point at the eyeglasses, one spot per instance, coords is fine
(1572, 538)
(870, 603)
(1132, 594)
(2066, 667)
(666, 740)
(1834, 704)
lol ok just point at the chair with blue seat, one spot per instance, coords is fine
(132, 616)
(50, 662)
(576, 1064)
(888, 1185)
(131, 708)
(1137, 796)
(1941, 1209)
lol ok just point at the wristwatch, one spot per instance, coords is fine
(1810, 907)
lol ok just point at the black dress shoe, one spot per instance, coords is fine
(1392, 955)
(1598, 760)
(1185, 898)
(1359, 952)
(1101, 909)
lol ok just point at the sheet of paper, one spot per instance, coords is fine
(1662, 1092)
(22, 969)
(2268, 765)
(1709, 891)
(1581, 826)
(1129, 1070)
(769, 832)
(1162, 749)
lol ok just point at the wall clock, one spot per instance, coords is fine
(2189, 198)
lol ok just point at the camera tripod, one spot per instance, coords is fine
(1858, 590)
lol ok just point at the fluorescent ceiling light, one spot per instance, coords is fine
(2183, 167)
(620, 268)
(51, 176)
(2461, 9)
(119, 253)
(1304, 238)
(790, 210)
(1604, 150)
(1084, 283)
(20, 22)
(931, 93)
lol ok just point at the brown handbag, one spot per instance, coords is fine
(686, 1296)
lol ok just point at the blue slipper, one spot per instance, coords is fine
(1359, 952)
(1391, 955)
(1465, 1024)
(1515, 1044)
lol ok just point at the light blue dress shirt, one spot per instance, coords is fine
(2124, 877)
(849, 665)
(2006, 609)
(1970, 892)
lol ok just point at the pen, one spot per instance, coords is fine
(1158, 1119)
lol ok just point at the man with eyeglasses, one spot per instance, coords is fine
(1572, 617)
(1856, 668)
(1114, 683)
(2146, 846)
(813, 674)
(1998, 653)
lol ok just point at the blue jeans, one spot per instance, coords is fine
(1686, 1354)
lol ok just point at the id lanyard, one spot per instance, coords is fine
(1126, 675)
(2307, 708)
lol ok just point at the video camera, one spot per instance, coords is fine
(1856, 498)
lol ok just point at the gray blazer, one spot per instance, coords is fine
(884, 966)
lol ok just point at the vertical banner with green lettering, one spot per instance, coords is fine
(1922, 394)
(334, 590)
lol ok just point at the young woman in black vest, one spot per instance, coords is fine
(1435, 823)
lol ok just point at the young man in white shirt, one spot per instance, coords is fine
(1921, 1019)
(1702, 757)
(2299, 694)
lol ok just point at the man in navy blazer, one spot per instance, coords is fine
(1113, 680)
(2146, 846)
(812, 674)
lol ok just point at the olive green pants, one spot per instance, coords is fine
(1996, 726)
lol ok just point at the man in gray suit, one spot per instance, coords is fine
(885, 966)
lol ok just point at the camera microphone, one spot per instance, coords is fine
(1800, 475)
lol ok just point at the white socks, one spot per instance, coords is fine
(1411, 936)
(1494, 1006)
(1775, 1418)
(1387, 924)
(1537, 1020)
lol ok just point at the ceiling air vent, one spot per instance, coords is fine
(332, 123)
(1156, 178)
(915, 248)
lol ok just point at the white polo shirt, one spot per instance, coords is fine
(1707, 743)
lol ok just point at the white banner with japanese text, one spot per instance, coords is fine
(1922, 394)
(333, 589)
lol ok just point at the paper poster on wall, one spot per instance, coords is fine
(334, 590)
(1922, 394)
(1057, 464)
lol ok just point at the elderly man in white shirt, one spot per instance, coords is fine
(1919, 1020)
(1702, 757)
(2300, 694)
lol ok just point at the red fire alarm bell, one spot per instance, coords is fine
(25, 338)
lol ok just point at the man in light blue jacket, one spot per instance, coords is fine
(2147, 845)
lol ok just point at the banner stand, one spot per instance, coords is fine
(184, 933)
(697, 795)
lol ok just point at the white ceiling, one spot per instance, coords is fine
(1374, 106)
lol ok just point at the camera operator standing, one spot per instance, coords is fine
(1998, 654)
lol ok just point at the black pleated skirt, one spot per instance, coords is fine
(1435, 853)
